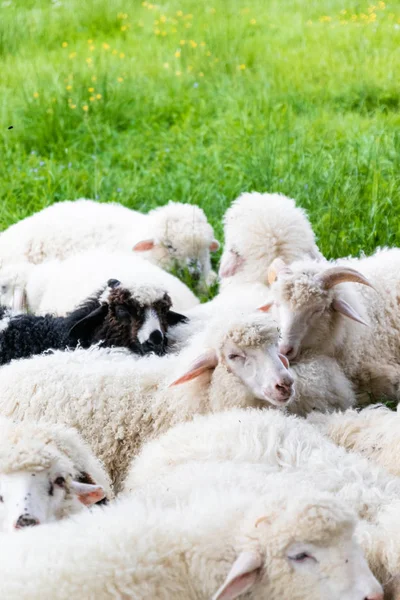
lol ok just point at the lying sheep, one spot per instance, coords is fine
(373, 432)
(58, 286)
(259, 228)
(113, 317)
(117, 402)
(320, 308)
(172, 235)
(220, 544)
(47, 472)
(279, 442)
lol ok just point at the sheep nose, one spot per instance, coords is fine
(286, 350)
(156, 338)
(374, 597)
(284, 390)
(26, 521)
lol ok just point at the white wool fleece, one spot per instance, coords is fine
(259, 228)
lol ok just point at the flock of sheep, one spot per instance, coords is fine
(166, 449)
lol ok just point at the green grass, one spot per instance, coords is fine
(271, 95)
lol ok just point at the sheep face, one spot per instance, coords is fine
(310, 554)
(307, 304)
(30, 497)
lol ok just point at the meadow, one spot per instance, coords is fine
(198, 101)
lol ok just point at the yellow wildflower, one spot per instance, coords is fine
(91, 98)
(115, 51)
(253, 21)
(122, 55)
(213, 11)
(163, 18)
(201, 74)
(178, 73)
(208, 53)
(178, 54)
(193, 44)
(164, 33)
(179, 13)
(85, 107)
(92, 48)
(90, 90)
(125, 16)
(124, 28)
(89, 60)
(344, 11)
(166, 65)
(94, 78)
(98, 96)
(90, 41)
(309, 22)
(64, 44)
(106, 46)
(72, 55)
(69, 87)
(188, 17)
(144, 3)
(187, 25)
(120, 79)
(72, 106)
(325, 19)
(156, 22)
(381, 5)
(190, 68)
(174, 30)
(36, 94)
(157, 31)
(182, 42)
(241, 67)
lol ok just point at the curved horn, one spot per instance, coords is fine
(337, 275)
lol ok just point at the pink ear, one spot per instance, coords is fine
(230, 264)
(277, 266)
(203, 363)
(241, 577)
(265, 307)
(143, 246)
(87, 493)
(342, 307)
(284, 360)
(214, 246)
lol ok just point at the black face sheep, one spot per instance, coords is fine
(137, 320)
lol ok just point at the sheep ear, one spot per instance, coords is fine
(214, 246)
(205, 362)
(241, 577)
(87, 493)
(20, 300)
(284, 360)
(173, 318)
(277, 266)
(342, 307)
(265, 307)
(143, 246)
(230, 264)
(84, 328)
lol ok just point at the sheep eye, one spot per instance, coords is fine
(235, 356)
(302, 557)
(170, 247)
(3, 289)
(60, 481)
(1, 499)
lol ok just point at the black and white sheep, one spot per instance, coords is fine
(137, 320)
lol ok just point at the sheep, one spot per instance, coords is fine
(277, 442)
(259, 228)
(219, 544)
(318, 308)
(113, 317)
(172, 235)
(117, 402)
(57, 287)
(47, 472)
(373, 432)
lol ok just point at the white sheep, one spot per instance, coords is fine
(117, 401)
(373, 432)
(277, 442)
(172, 235)
(58, 286)
(259, 228)
(47, 472)
(219, 544)
(319, 307)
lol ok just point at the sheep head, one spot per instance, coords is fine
(248, 349)
(308, 551)
(305, 300)
(137, 319)
(182, 241)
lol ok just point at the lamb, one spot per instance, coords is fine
(174, 235)
(117, 402)
(112, 317)
(219, 544)
(47, 472)
(259, 228)
(319, 309)
(57, 287)
(278, 442)
(373, 432)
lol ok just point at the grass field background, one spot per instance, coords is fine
(198, 101)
